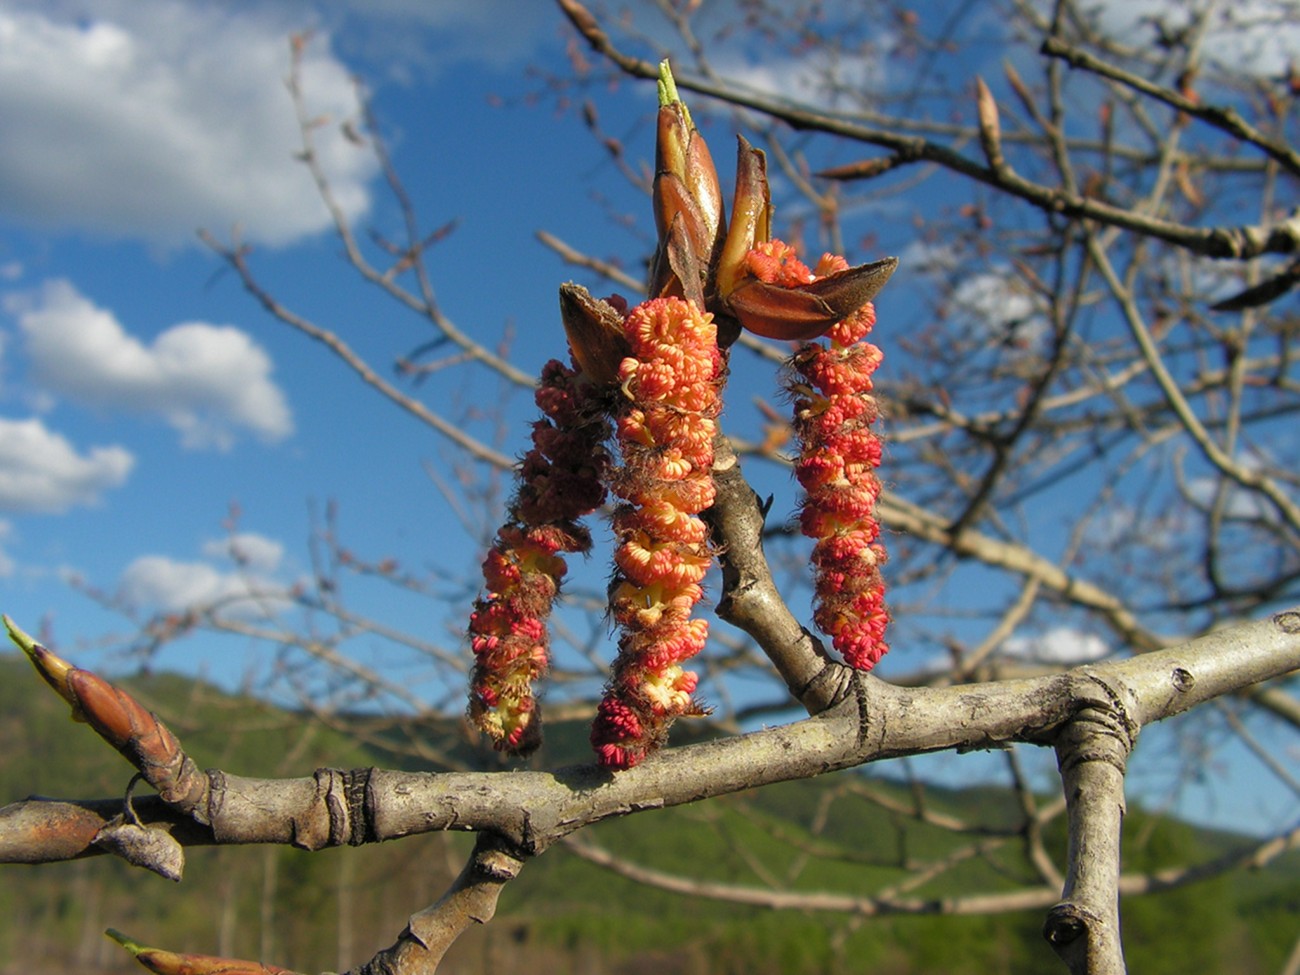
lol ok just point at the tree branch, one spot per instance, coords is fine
(1237, 243)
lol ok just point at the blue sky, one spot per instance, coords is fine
(143, 392)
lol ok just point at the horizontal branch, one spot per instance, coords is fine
(533, 809)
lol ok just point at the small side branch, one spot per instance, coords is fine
(471, 899)
(750, 599)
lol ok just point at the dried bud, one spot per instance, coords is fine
(150, 847)
(780, 297)
(805, 311)
(595, 331)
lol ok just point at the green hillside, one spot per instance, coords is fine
(841, 834)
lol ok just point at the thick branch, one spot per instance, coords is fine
(534, 809)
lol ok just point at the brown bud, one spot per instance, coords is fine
(990, 127)
(687, 199)
(141, 738)
(174, 963)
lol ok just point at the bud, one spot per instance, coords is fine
(53, 669)
(174, 963)
(751, 217)
(687, 201)
(123, 722)
(594, 327)
(141, 738)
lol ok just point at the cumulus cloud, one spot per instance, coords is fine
(164, 584)
(207, 381)
(1060, 645)
(995, 301)
(822, 77)
(151, 120)
(41, 472)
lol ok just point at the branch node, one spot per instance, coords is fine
(1288, 622)
(1066, 923)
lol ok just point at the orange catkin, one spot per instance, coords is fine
(665, 433)
(838, 455)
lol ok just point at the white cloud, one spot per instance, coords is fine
(1259, 37)
(994, 301)
(207, 381)
(154, 119)
(1001, 304)
(928, 257)
(236, 574)
(41, 471)
(247, 549)
(820, 77)
(1059, 645)
(1242, 503)
(159, 583)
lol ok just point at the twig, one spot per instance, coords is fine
(235, 256)
(1226, 119)
(1238, 243)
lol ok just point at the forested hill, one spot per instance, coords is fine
(847, 834)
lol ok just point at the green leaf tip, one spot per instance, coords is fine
(668, 90)
(54, 670)
(132, 946)
(25, 643)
